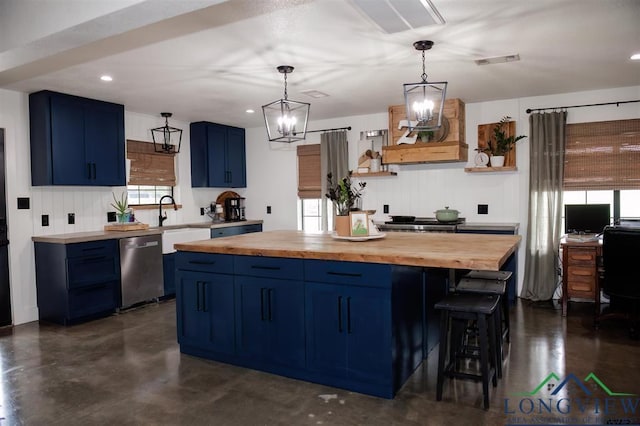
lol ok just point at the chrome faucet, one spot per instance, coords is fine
(162, 218)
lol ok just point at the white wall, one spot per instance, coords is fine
(272, 179)
(421, 189)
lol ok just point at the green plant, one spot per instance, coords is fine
(343, 193)
(503, 143)
(120, 205)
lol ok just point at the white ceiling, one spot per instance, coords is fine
(212, 60)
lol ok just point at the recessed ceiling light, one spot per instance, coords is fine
(249, 111)
(106, 78)
(635, 57)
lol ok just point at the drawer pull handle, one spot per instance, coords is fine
(262, 292)
(93, 259)
(268, 268)
(339, 314)
(581, 257)
(202, 262)
(349, 315)
(94, 248)
(344, 274)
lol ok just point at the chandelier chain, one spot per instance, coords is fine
(285, 86)
(424, 72)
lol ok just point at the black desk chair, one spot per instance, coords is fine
(621, 277)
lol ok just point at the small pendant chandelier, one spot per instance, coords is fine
(286, 120)
(425, 100)
(166, 139)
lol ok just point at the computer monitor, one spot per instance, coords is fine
(586, 218)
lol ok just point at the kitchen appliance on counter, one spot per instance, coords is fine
(216, 212)
(419, 224)
(141, 274)
(234, 209)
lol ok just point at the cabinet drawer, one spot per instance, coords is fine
(204, 262)
(269, 267)
(581, 256)
(94, 299)
(93, 248)
(88, 270)
(581, 286)
(353, 273)
(582, 274)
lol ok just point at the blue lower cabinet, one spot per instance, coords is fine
(349, 332)
(77, 282)
(270, 320)
(352, 325)
(205, 313)
(235, 230)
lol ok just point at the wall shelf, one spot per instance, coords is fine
(374, 174)
(490, 169)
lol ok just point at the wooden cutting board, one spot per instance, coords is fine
(126, 227)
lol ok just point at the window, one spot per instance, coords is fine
(151, 176)
(142, 194)
(601, 166)
(310, 214)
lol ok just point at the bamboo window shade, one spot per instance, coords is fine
(309, 180)
(149, 167)
(602, 155)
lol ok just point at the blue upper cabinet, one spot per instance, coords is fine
(76, 141)
(218, 157)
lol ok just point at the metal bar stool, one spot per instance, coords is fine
(456, 311)
(490, 282)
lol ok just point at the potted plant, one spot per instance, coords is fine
(503, 143)
(344, 196)
(122, 207)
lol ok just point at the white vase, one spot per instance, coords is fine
(497, 160)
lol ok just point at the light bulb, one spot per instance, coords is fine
(286, 125)
(423, 110)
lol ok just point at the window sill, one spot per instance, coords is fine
(151, 206)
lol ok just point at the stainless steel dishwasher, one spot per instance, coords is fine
(141, 277)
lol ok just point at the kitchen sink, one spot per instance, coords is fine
(182, 235)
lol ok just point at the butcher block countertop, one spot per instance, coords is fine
(438, 250)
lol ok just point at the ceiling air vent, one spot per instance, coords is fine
(393, 16)
(498, 59)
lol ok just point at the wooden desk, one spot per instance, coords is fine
(580, 277)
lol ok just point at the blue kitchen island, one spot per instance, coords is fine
(348, 314)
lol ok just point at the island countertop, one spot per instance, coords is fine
(437, 250)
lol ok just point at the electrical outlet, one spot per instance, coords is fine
(111, 216)
(268, 209)
(483, 208)
(385, 208)
(23, 203)
(201, 211)
(45, 220)
(71, 218)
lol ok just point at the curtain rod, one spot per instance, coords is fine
(329, 130)
(530, 110)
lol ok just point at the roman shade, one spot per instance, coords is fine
(149, 167)
(309, 179)
(602, 156)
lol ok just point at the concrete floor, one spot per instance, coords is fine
(127, 369)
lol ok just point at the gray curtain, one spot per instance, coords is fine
(547, 134)
(334, 159)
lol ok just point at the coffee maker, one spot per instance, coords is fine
(234, 209)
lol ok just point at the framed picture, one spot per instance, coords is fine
(359, 224)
